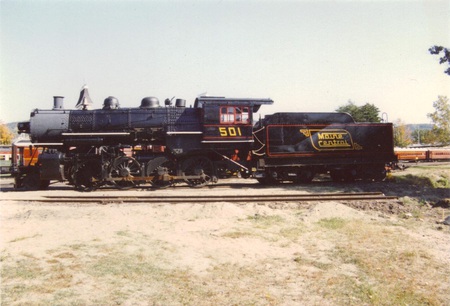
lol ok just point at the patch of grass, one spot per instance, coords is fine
(237, 234)
(431, 167)
(266, 228)
(442, 183)
(24, 269)
(123, 233)
(332, 223)
(430, 179)
(24, 238)
(392, 269)
(19, 276)
(301, 260)
(242, 285)
(415, 180)
(265, 221)
(415, 208)
(292, 233)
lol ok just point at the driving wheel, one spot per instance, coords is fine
(125, 169)
(198, 171)
(161, 169)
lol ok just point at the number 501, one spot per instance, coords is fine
(230, 131)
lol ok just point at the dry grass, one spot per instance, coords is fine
(368, 263)
(390, 268)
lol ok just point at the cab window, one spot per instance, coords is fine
(234, 115)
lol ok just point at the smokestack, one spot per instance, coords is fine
(58, 102)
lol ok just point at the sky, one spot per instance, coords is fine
(308, 56)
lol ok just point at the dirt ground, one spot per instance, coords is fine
(392, 252)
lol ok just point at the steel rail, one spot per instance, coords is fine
(280, 196)
(211, 199)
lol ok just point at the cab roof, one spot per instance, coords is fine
(202, 101)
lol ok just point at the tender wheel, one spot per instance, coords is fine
(161, 168)
(199, 167)
(350, 175)
(269, 179)
(337, 175)
(344, 175)
(305, 175)
(376, 173)
(125, 168)
(263, 181)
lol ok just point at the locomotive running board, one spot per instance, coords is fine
(185, 133)
(226, 141)
(97, 134)
(38, 144)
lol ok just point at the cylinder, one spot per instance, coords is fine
(58, 102)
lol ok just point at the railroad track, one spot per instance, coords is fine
(214, 198)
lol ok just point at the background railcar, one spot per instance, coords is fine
(422, 154)
(411, 155)
(439, 154)
(5, 159)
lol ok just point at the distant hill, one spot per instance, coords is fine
(420, 126)
(12, 126)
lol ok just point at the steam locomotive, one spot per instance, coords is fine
(163, 145)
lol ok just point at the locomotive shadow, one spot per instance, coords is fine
(419, 190)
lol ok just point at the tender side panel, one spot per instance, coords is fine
(372, 142)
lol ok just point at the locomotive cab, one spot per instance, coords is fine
(228, 120)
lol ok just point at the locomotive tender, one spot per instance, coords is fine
(163, 145)
(297, 146)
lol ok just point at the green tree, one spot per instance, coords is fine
(423, 136)
(6, 136)
(445, 55)
(366, 113)
(402, 135)
(441, 120)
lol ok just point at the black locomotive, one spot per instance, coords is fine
(166, 144)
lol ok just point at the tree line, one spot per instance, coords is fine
(403, 137)
(438, 135)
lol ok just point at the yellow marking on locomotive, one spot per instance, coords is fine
(230, 131)
(332, 136)
(336, 139)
